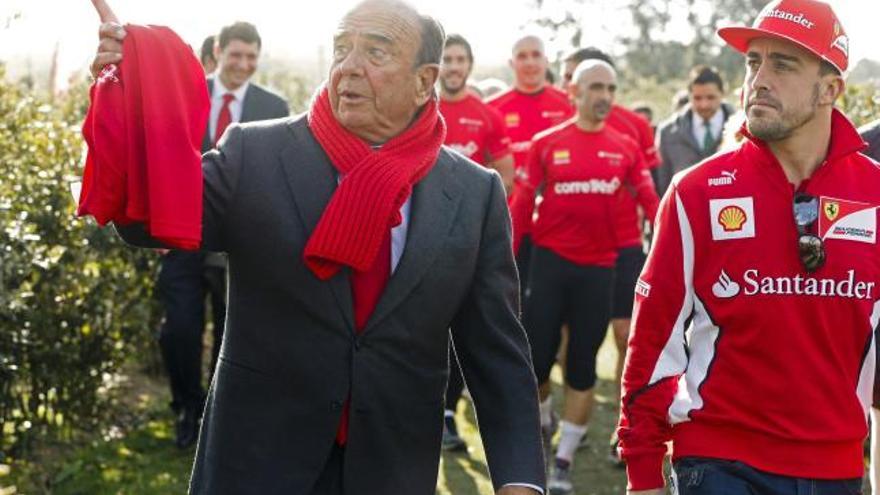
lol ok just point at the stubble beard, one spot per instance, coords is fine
(787, 123)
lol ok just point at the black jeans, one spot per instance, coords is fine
(704, 476)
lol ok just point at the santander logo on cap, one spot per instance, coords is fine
(788, 16)
(810, 24)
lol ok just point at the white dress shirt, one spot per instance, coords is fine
(235, 106)
(716, 125)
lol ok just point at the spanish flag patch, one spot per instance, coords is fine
(561, 157)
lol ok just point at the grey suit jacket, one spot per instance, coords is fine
(871, 134)
(677, 147)
(290, 357)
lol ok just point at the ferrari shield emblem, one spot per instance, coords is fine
(832, 209)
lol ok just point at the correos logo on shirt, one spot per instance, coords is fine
(754, 283)
(592, 186)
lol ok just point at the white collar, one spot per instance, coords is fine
(220, 89)
(716, 121)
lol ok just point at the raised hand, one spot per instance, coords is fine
(110, 35)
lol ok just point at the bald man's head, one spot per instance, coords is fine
(592, 89)
(529, 63)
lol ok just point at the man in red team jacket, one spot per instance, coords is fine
(753, 343)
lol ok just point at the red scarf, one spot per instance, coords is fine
(366, 205)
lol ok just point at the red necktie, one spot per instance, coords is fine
(225, 117)
(366, 288)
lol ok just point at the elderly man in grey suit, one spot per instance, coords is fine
(355, 241)
(187, 279)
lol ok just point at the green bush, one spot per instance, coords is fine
(74, 300)
(861, 103)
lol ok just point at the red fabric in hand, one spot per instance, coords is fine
(144, 129)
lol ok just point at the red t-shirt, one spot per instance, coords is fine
(475, 129)
(639, 130)
(581, 175)
(526, 115)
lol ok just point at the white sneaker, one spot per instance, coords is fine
(560, 479)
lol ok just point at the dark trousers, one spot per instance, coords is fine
(184, 283)
(559, 292)
(703, 476)
(330, 480)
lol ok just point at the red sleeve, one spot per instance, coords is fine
(656, 356)
(497, 142)
(522, 204)
(646, 142)
(639, 179)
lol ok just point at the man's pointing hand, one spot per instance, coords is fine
(111, 35)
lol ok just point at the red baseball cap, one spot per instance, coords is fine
(809, 24)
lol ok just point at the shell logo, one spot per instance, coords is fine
(732, 218)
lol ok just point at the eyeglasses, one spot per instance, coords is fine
(810, 246)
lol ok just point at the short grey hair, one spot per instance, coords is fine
(433, 39)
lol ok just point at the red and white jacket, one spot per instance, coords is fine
(736, 351)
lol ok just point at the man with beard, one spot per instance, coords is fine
(332, 371)
(580, 168)
(475, 130)
(753, 344)
(529, 107)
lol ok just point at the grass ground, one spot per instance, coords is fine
(466, 473)
(142, 460)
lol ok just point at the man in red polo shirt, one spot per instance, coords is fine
(473, 128)
(529, 107)
(754, 331)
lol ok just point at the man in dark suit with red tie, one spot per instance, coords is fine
(355, 242)
(187, 279)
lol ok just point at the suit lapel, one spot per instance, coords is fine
(207, 142)
(247, 105)
(688, 125)
(312, 181)
(434, 205)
